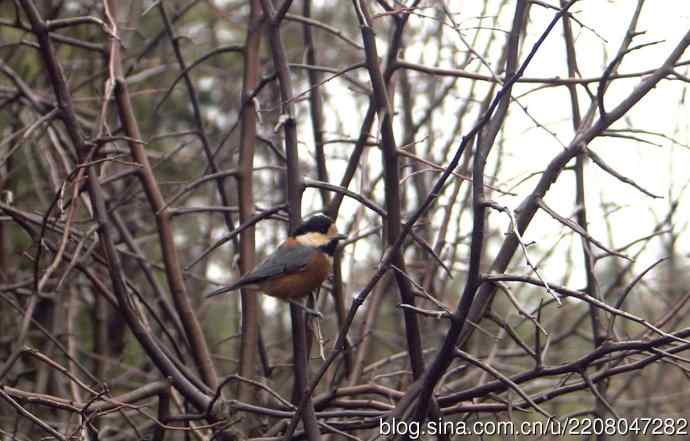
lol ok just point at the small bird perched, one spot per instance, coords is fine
(298, 266)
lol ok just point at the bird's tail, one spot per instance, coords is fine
(222, 290)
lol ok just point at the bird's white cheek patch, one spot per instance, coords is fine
(313, 239)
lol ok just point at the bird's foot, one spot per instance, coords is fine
(309, 311)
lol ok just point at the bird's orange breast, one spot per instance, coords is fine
(300, 284)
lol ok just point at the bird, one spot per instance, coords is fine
(298, 266)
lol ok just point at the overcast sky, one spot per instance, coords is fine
(659, 168)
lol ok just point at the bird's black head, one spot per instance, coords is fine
(317, 223)
(319, 231)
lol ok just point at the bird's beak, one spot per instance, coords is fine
(341, 237)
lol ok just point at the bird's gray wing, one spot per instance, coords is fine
(284, 260)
